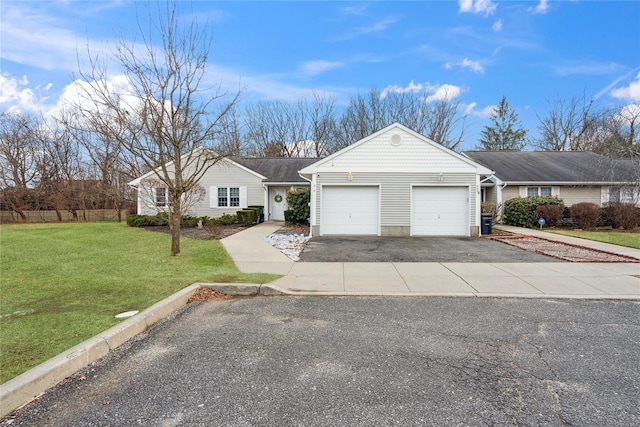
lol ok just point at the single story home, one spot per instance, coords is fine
(573, 176)
(230, 185)
(397, 182)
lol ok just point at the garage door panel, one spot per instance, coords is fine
(439, 211)
(349, 210)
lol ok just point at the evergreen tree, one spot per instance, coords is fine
(506, 131)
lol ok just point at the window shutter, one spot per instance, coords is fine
(522, 191)
(555, 191)
(243, 197)
(213, 197)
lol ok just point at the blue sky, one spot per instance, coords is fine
(478, 50)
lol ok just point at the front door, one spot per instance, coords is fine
(277, 202)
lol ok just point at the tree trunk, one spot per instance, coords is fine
(174, 223)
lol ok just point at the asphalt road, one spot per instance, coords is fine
(414, 249)
(290, 361)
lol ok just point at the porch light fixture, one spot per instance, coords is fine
(350, 176)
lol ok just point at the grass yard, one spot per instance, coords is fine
(61, 284)
(631, 240)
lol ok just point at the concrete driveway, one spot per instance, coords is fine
(362, 361)
(415, 249)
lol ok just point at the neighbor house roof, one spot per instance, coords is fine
(577, 167)
(277, 169)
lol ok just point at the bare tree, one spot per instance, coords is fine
(616, 132)
(567, 125)
(19, 160)
(165, 117)
(304, 128)
(439, 120)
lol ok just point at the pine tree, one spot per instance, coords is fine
(506, 131)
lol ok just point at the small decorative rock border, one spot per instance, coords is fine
(564, 251)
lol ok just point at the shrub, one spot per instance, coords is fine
(298, 201)
(585, 214)
(489, 207)
(624, 215)
(521, 211)
(189, 221)
(147, 220)
(259, 212)
(246, 217)
(552, 214)
(226, 219)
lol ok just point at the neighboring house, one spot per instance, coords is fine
(395, 182)
(573, 176)
(230, 185)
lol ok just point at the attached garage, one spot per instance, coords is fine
(395, 182)
(350, 210)
(440, 211)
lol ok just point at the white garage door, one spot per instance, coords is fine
(440, 211)
(349, 210)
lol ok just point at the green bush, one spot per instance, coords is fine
(298, 201)
(226, 219)
(246, 217)
(585, 214)
(259, 212)
(521, 211)
(147, 220)
(189, 221)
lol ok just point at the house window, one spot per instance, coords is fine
(228, 197)
(621, 195)
(161, 197)
(538, 191)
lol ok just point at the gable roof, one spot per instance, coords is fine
(395, 148)
(195, 154)
(576, 167)
(277, 169)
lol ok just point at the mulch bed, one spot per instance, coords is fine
(207, 232)
(563, 251)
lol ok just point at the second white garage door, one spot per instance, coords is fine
(349, 210)
(440, 211)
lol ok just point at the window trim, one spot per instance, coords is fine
(239, 197)
(157, 191)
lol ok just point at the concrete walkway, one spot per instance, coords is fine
(252, 253)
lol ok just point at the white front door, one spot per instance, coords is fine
(277, 203)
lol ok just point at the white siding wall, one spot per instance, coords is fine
(395, 191)
(222, 174)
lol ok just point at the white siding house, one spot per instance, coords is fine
(395, 182)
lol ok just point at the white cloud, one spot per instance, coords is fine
(486, 112)
(16, 96)
(486, 7)
(474, 66)
(497, 26)
(376, 27)
(410, 88)
(541, 8)
(444, 92)
(437, 93)
(320, 66)
(631, 92)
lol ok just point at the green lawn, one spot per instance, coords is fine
(61, 284)
(631, 240)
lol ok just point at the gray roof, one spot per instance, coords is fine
(557, 166)
(277, 169)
